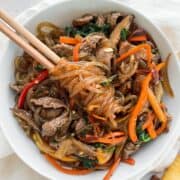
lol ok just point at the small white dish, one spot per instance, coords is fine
(61, 13)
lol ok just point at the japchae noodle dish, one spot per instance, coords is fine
(102, 102)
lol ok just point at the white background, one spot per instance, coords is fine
(165, 13)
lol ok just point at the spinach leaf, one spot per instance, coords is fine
(87, 29)
(143, 136)
(88, 163)
(99, 145)
(110, 149)
(39, 67)
(70, 31)
(124, 34)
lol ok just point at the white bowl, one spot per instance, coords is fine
(62, 13)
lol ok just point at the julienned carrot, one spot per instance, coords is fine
(150, 127)
(112, 169)
(159, 112)
(111, 138)
(147, 122)
(114, 134)
(67, 171)
(161, 128)
(138, 38)
(129, 161)
(68, 40)
(76, 52)
(136, 49)
(141, 101)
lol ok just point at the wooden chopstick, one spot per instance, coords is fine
(29, 37)
(27, 47)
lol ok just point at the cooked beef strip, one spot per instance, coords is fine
(112, 18)
(83, 20)
(90, 44)
(47, 114)
(63, 50)
(25, 116)
(101, 20)
(60, 123)
(16, 88)
(129, 149)
(80, 125)
(127, 69)
(48, 102)
(105, 55)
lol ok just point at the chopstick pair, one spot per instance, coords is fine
(13, 30)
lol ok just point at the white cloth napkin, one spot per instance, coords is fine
(163, 13)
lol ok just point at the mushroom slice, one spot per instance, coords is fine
(124, 24)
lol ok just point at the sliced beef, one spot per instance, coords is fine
(137, 83)
(16, 88)
(86, 149)
(71, 146)
(101, 20)
(25, 116)
(80, 125)
(60, 123)
(124, 47)
(90, 43)
(48, 102)
(127, 69)
(113, 18)
(63, 50)
(129, 149)
(48, 114)
(83, 20)
(105, 55)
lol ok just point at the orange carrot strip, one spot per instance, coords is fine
(159, 112)
(68, 40)
(136, 49)
(140, 103)
(111, 141)
(112, 169)
(114, 134)
(76, 52)
(161, 128)
(138, 38)
(150, 127)
(67, 171)
(129, 161)
(147, 122)
(111, 138)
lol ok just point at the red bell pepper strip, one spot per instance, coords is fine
(43, 75)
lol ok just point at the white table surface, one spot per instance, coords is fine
(165, 13)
